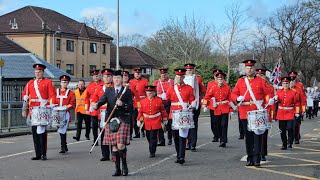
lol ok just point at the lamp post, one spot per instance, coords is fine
(1, 65)
(53, 46)
(117, 54)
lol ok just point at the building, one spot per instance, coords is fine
(63, 42)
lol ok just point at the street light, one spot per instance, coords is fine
(117, 54)
(53, 46)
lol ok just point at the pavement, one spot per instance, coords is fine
(209, 162)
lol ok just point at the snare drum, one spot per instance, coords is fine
(103, 117)
(182, 119)
(40, 116)
(58, 116)
(258, 120)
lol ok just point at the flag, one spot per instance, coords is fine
(275, 77)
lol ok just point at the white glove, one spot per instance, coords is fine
(205, 109)
(138, 123)
(163, 96)
(165, 122)
(271, 101)
(193, 104)
(240, 98)
(296, 115)
(25, 98)
(275, 97)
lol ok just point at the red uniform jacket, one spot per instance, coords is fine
(91, 89)
(302, 99)
(288, 104)
(271, 108)
(222, 97)
(97, 95)
(152, 112)
(260, 91)
(137, 88)
(165, 85)
(211, 85)
(186, 93)
(202, 88)
(46, 89)
(69, 101)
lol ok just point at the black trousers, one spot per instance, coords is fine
(63, 139)
(253, 143)
(180, 144)
(193, 133)
(80, 118)
(286, 125)
(264, 143)
(152, 137)
(296, 128)
(105, 149)
(94, 125)
(135, 126)
(241, 129)
(309, 112)
(39, 142)
(222, 122)
(315, 107)
(214, 124)
(168, 128)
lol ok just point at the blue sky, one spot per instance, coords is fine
(147, 16)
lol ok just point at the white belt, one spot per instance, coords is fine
(222, 102)
(285, 108)
(178, 104)
(37, 100)
(142, 96)
(151, 116)
(249, 103)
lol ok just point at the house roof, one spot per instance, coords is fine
(131, 57)
(19, 65)
(8, 46)
(31, 18)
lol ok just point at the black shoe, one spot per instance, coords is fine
(290, 146)
(88, 138)
(117, 172)
(105, 159)
(296, 142)
(161, 144)
(44, 158)
(222, 144)
(177, 161)
(249, 163)
(152, 155)
(241, 137)
(193, 149)
(257, 164)
(77, 139)
(36, 158)
(188, 148)
(181, 161)
(67, 149)
(125, 170)
(62, 152)
(215, 140)
(136, 136)
(263, 158)
(283, 147)
(170, 142)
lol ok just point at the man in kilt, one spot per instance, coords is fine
(117, 131)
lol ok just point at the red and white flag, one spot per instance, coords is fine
(275, 77)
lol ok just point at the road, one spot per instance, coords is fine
(209, 162)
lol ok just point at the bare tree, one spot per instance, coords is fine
(228, 38)
(97, 22)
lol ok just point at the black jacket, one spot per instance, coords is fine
(121, 112)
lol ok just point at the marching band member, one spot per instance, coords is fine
(37, 93)
(309, 95)
(240, 125)
(198, 91)
(107, 80)
(251, 91)
(271, 112)
(287, 110)
(125, 81)
(88, 106)
(302, 98)
(316, 97)
(65, 98)
(219, 96)
(81, 94)
(117, 131)
(153, 114)
(137, 85)
(125, 77)
(162, 86)
(181, 96)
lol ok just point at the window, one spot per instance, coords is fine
(143, 70)
(93, 67)
(70, 69)
(58, 64)
(70, 45)
(82, 71)
(149, 71)
(58, 46)
(82, 48)
(103, 48)
(93, 47)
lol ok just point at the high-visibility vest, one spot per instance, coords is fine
(80, 101)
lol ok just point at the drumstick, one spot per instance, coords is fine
(243, 97)
(107, 121)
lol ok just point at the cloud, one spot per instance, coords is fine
(258, 9)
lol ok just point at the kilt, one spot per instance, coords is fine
(122, 136)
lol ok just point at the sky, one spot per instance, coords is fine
(147, 16)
